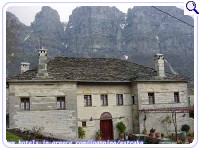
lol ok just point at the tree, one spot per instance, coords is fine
(166, 122)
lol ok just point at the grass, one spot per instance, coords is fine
(11, 137)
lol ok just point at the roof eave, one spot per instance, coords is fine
(42, 81)
(162, 81)
(87, 81)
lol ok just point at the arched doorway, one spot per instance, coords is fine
(106, 126)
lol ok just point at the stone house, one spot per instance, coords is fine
(190, 96)
(95, 93)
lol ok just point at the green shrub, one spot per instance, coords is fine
(98, 133)
(12, 137)
(81, 132)
(185, 128)
(190, 134)
(152, 130)
(121, 127)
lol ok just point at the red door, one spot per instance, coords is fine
(106, 129)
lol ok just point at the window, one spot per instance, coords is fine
(176, 97)
(191, 114)
(87, 100)
(151, 98)
(189, 101)
(133, 100)
(60, 102)
(83, 124)
(104, 100)
(25, 104)
(119, 99)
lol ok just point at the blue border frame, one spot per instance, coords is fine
(89, 3)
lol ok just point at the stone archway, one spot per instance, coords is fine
(106, 126)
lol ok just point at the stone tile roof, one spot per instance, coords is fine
(96, 69)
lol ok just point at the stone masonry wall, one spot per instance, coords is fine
(95, 111)
(164, 94)
(59, 124)
(43, 108)
(164, 98)
(136, 123)
(7, 107)
(7, 100)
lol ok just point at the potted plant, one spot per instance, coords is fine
(185, 128)
(144, 131)
(81, 132)
(121, 129)
(157, 134)
(162, 135)
(130, 136)
(98, 135)
(152, 132)
(190, 137)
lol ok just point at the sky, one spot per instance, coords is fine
(26, 14)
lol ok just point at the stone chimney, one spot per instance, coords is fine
(42, 67)
(159, 65)
(24, 66)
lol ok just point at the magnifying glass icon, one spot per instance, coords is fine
(191, 6)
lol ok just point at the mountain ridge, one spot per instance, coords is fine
(107, 32)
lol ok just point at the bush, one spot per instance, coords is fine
(12, 137)
(185, 128)
(152, 130)
(36, 130)
(191, 134)
(98, 133)
(81, 132)
(121, 127)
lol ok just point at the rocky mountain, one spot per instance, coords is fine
(94, 31)
(13, 47)
(149, 31)
(46, 25)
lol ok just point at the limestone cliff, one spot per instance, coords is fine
(107, 32)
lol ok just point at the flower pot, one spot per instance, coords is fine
(121, 136)
(157, 134)
(99, 138)
(152, 135)
(190, 139)
(174, 138)
(130, 137)
(144, 132)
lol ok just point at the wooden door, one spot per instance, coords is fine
(106, 129)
